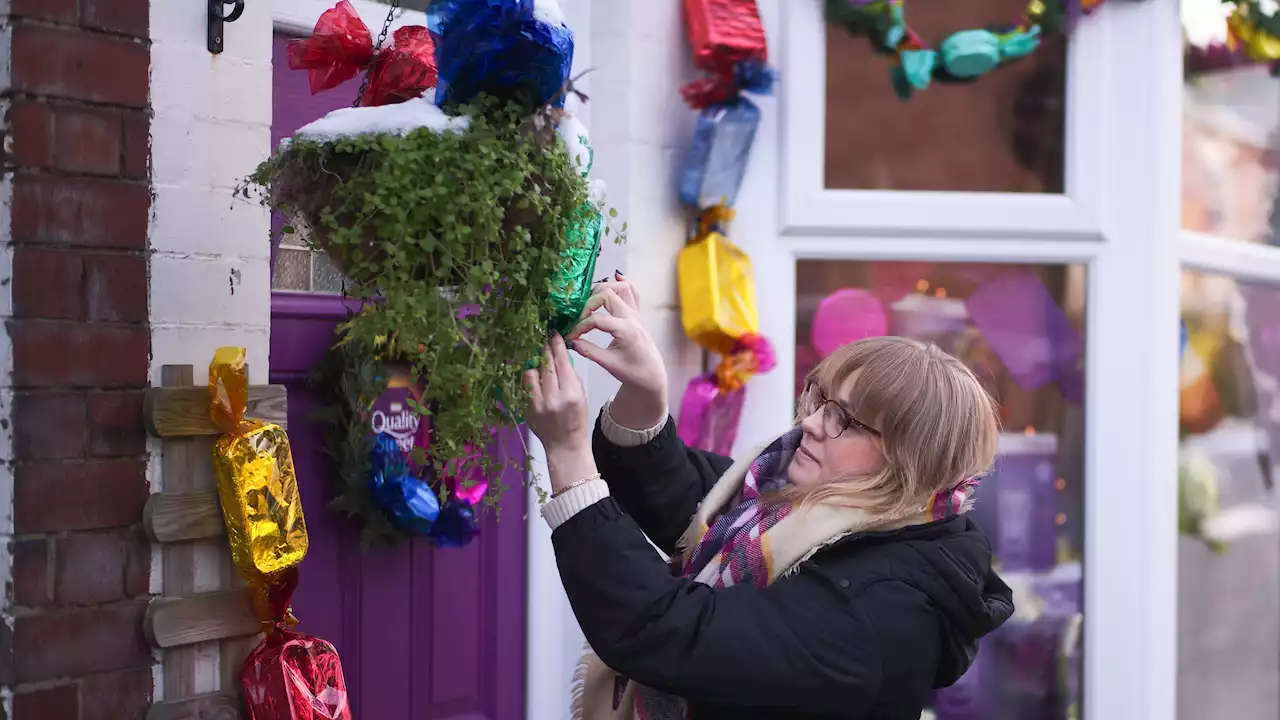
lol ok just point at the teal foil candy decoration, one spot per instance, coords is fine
(1020, 43)
(918, 66)
(970, 53)
(573, 281)
(897, 28)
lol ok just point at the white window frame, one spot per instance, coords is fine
(1119, 217)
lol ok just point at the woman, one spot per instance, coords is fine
(832, 574)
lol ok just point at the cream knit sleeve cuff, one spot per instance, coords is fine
(626, 437)
(559, 509)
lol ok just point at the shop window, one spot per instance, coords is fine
(1021, 329)
(1230, 133)
(1229, 541)
(1002, 133)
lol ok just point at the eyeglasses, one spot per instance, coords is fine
(835, 418)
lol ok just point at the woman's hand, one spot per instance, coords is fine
(631, 356)
(557, 414)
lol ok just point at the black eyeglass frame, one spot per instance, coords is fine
(845, 419)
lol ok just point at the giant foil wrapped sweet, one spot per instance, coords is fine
(572, 284)
(292, 675)
(718, 156)
(253, 468)
(725, 33)
(515, 50)
(717, 290)
(710, 415)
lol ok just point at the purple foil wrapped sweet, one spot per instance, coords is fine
(709, 417)
(1024, 326)
(1021, 516)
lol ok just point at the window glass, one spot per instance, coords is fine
(1020, 328)
(1002, 133)
(1231, 132)
(1229, 543)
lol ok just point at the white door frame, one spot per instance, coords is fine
(1118, 216)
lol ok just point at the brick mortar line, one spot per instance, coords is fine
(75, 322)
(16, 19)
(12, 95)
(20, 171)
(78, 249)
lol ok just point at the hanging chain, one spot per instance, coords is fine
(368, 73)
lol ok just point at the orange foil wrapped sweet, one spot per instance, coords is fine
(717, 288)
(253, 468)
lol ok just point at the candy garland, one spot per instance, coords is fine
(289, 675)
(961, 57)
(717, 292)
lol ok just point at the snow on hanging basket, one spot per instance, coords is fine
(478, 184)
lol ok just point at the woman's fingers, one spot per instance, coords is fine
(606, 323)
(547, 374)
(534, 381)
(596, 354)
(560, 358)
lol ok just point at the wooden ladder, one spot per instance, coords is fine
(203, 623)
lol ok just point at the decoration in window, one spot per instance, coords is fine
(457, 181)
(715, 277)
(962, 57)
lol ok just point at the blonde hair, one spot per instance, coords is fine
(937, 424)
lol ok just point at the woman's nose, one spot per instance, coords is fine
(812, 424)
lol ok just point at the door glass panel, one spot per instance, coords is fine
(1002, 133)
(1229, 542)
(1020, 328)
(295, 267)
(1230, 135)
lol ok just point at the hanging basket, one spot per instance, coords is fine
(314, 183)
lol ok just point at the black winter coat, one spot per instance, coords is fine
(866, 629)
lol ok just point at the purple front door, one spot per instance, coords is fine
(423, 633)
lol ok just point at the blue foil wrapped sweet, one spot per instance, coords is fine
(407, 500)
(719, 153)
(456, 525)
(509, 49)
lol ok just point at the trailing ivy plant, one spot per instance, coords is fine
(425, 225)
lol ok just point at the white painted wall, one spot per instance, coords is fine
(210, 256)
(210, 281)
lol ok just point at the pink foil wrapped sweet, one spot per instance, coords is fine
(709, 417)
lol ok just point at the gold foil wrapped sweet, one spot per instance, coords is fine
(717, 288)
(253, 467)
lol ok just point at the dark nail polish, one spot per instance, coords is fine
(568, 344)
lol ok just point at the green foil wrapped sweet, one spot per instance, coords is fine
(573, 280)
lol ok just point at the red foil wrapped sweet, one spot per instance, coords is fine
(341, 47)
(728, 43)
(291, 675)
(724, 33)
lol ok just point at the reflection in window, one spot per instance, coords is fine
(1002, 133)
(1231, 132)
(1021, 329)
(1229, 543)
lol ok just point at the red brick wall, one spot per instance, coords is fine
(78, 124)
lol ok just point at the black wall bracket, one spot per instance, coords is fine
(218, 17)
